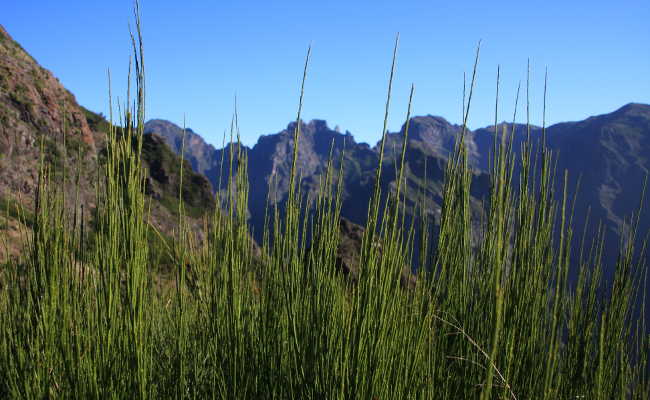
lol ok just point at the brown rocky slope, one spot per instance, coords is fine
(37, 112)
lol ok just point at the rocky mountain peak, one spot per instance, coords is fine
(432, 130)
(309, 129)
(633, 109)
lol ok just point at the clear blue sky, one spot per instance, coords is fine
(199, 54)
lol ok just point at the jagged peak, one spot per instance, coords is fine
(427, 120)
(427, 127)
(159, 120)
(313, 125)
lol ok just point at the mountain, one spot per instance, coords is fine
(37, 111)
(199, 153)
(612, 154)
(269, 166)
(609, 154)
(607, 158)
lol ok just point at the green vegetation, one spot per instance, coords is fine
(75, 146)
(166, 179)
(162, 167)
(96, 122)
(12, 208)
(493, 319)
(52, 153)
(56, 154)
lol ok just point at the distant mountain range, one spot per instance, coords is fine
(609, 154)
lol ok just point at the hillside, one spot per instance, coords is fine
(36, 110)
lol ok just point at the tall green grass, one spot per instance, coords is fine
(492, 317)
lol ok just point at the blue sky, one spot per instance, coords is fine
(200, 54)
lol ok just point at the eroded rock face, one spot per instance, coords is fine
(347, 255)
(269, 164)
(32, 96)
(37, 112)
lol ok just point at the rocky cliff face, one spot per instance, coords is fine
(33, 106)
(36, 111)
(35, 96)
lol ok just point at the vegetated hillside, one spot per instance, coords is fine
(37, 111)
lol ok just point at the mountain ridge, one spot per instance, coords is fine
(608, 152)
